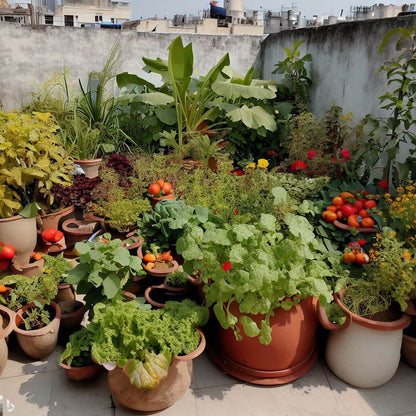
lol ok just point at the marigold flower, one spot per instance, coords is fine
(226, 266)
(251, 165)
(311, 154)
(262, 163)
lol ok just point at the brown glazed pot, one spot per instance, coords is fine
(162, 396)
(290, 355)
(28, 270)
(21, 234)
(66, 292)
(38, 343)
(7, 318)
(89, 166)
(71, 320)
(81, 373)
(52, 220)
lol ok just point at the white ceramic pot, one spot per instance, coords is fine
(362, 352)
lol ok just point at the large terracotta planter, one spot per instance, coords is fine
(21, 234)
(89, 166)
(162, 396)
(81, 373)
(81, 230)
(52, 220)
(38, 343)
(363, 352)
(290, 355)
(7, 318)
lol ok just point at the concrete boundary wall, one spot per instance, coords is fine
(345, 63)
(29, 54)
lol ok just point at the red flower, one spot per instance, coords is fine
(362, 242)
(345, 153)
(272, 153)
(334, 159)
(298, 165)
(236, 211)
(311, 154)
(343, 160)
(366, 193)
(383, 184)
(226, 266)
(238, 172)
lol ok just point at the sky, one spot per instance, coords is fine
(162, 8)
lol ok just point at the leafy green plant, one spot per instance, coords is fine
(32, 160)
(144, 342)
(103, 271)
(36, 318)
(77, 351)
(261, 267)
(56, 267)
(177, 279)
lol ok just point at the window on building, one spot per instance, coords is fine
(48, 19)
(98, 18)
(112, 20)
(69, 20)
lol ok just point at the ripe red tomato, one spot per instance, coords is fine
(363, 213)
(154, 189)
(362, 258)
(329, 216)
(339, 214)
(58, 236)
(337, 201)
(167, 188)
(348, 210)
(49, 234)
(348, 257)
(367, 222)
(160, 182)
(332, 208)
(370, 204)
(353, 222)
(359, 205)
(7, 252)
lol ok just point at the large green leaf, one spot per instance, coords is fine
(232, 91)
(254, 117)
(125, 79)
(111, 285)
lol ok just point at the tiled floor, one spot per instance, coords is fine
(42, 389)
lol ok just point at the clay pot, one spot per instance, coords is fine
(30, 269)
(7, 318)
(136, 241)
(89, 166)
(21, 234)
(158, 272)
(169, 291)
(363, 352)
(156, 199)
(52, 220)
(80, 230)
(162, 396)
(409, 350)
(81, 373)
(138, 286)
(290, 355)
(66, 292)
(71, 320)
(38, 343)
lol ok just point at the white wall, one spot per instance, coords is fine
(28, 54)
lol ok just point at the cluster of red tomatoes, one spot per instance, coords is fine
(355, 255)
(160, 188)
(355, 209)
(52, 235)
(7, 252)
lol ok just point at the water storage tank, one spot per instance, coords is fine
(332, 20)
(235, 8)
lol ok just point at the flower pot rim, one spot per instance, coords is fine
(68, 367)
(150, 300)
(76, 312)
(400, 323)
(40, 331)
(15, 218)
(67, 210)
(76, 231)
(88, 161)
(197, 351)
(4, 332)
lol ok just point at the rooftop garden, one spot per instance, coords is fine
(211, 210)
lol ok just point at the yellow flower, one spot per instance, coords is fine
(393, 234)
(262, 163)
(251, 165)
(407, 255)
(48, 271)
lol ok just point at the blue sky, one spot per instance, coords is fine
(148, 8)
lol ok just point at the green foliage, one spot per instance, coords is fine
(177, 279)
(335, 313)
(36, 318)
(103, 271)
(31, 161)
(56, 268)
(144, 342)
(77, 352)
(272, 264)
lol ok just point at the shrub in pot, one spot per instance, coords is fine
(37, 316)
(104, 270)
(33, 160)
(149, 352)
(374, 306)
(263, 282)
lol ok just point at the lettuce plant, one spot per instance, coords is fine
(144, 342)
(261, 266)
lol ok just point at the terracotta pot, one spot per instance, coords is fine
(30, 269)
(138, 286)
(290, 355)
(21, 234)
(66, 292)
(80, 230)
(7, 318)
(173, 292)
(73, 319)
(38, 343)
(409, 350)
(162, 396)
(89, 166)
(157, 199)
(52, 220)
(155, 271)
(81, 373)
(363, 352)
(136, 241)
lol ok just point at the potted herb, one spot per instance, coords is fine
(156, 371)
(263, 282)
(76, 358)
(105, 269)
(37, 316)
(33, 161)
(374, 306)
